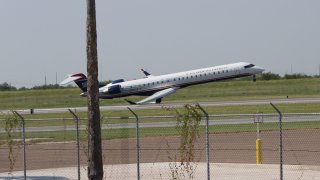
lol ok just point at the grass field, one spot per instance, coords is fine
(228, 90)
(218, 91)
(60, 136)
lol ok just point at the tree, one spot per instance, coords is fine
(95, 164)
(7, 87)
(296, 76)
(270, 76)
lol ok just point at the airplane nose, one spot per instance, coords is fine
(259, 69)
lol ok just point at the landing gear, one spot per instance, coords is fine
(158, 101)
(254, 78)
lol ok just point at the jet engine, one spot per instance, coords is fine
(114, 89)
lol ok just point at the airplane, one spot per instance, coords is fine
(158, 87)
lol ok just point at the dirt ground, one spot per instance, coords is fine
(301, 147)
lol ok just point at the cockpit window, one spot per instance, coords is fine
(117, 81)
(249, 66)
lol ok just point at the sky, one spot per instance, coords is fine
(42, 38)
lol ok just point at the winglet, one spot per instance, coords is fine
(130, 102)
(146, 73)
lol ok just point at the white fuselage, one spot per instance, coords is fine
(152, 84)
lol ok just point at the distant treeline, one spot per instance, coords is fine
(272, 76)
(264, 76)
(8, 87)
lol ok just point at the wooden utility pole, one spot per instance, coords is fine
(95, 164)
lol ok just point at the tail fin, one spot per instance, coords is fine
(80, 79)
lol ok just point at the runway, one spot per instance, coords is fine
(178, 104)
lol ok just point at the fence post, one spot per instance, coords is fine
(207, 140)
(78, 141)
(138, 143)
(23, 144)
(280, 143)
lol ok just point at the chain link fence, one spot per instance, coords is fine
(158, 148)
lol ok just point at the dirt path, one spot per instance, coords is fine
(301, 147)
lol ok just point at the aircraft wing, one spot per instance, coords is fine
(158, 95)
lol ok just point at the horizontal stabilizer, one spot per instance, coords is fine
(73, 77)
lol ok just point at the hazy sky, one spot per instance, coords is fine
(45, 37)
